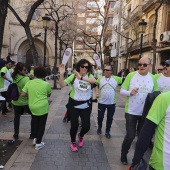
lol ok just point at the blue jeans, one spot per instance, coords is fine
(110, 114)
(131, 124)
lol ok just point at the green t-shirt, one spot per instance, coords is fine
(4, 83)
(146, 84)
(107, 88)
(160, 115)
(38, 91)
(32, 72)
(21, 81)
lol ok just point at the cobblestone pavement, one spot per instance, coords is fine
(98, 152)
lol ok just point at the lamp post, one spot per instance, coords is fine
(46, 21)
(110, 48)
(142, 27)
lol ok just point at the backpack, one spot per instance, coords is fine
(12, 92)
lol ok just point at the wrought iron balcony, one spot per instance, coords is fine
(136, 13)
(147, 42)
(148, 4)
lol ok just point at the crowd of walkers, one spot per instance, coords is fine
(136, 85)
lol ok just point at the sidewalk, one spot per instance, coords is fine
(98, 152)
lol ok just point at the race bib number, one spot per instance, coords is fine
(83, 86)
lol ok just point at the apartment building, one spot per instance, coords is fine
(131, 46)
(87, 24)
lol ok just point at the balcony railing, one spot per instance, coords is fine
(148, 4)
(137, 12)
(147, 40)
(123, 49)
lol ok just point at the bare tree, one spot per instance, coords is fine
(26, 26)
(58, 12)
(129, 41)
(3, 14)
(92, 38)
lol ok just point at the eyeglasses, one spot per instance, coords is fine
(167, 65)
(84, 66)
(144, 65)
(106, 70)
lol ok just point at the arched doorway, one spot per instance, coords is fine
(29, 58)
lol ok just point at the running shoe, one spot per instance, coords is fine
(39, 146)
(73, 147)
(80, 141)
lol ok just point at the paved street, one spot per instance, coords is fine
(98, 152)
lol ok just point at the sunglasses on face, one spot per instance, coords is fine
(106, 70)
(167, 65)
(84, 67)
(144, 65)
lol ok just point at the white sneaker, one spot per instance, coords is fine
(39, 146)
(34, 141)
(1, 166)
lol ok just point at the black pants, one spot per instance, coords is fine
(18, 111)
(85, 120)
(3, 105)
(110, 113)
(131, 123)
(39, 123)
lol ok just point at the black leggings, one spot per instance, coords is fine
(18, 111)
(39, 123)
(85, 120)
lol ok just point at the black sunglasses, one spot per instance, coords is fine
(167, 65)
(144, 65)
(106, 70)
(84, 66)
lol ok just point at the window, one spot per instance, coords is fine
(111, 4)
(80, 23)
(81, 7)
(92, 5)
(91, 20)
(110, 21)
(79, 46)
(92, 15)
(79, 30)
(81, 14)
(79, 38)
(91, 29)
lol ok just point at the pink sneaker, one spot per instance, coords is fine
(73, 147)
(80, 141)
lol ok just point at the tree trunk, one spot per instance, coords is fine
(32, 46)
(55, 59)
(154, 38)
(3, 14)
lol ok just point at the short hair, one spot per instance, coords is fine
(109, 66)
(81, 62)
(40, 72)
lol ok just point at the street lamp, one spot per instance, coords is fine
(142, 27)
(46, 21)
(110, 48)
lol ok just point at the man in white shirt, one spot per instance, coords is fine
(107, 98)
(136, 87)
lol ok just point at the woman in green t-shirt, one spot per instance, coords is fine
(79, 101)
(21, 104)
(38, 92)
